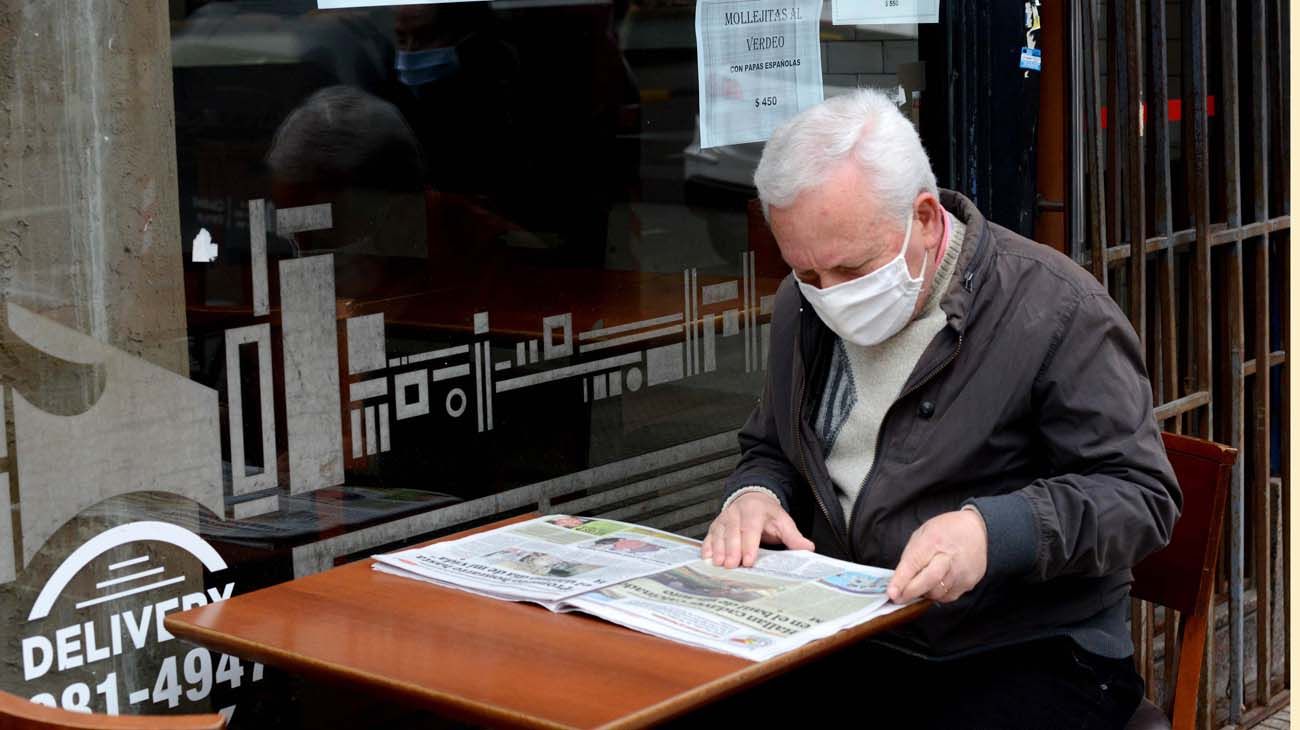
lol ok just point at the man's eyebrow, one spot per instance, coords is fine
(845, 265)
(842, 266)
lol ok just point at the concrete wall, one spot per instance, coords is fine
(89, 232)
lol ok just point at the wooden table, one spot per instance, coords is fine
(479, 659)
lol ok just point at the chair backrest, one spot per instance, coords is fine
(19, 712)
(1175, 576)
(1181, 576)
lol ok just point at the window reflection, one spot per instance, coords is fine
(536, 271)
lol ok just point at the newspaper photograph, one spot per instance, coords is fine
(546, 559)
(785, 601)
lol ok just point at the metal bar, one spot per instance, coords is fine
(1093, 136)
(1130, 43)
(1284, 261)
(1220, 234)
(1233, 389)
(1232, 306)
(1168, 333)
(1162, 219)
(1248, 230)
(1185, 237)
(1078, 108)
(1156, 349)
(1205, 708)
(1149, 638)
(1189, 402)
(1260, 452)
(1196, 159)
(1159, 244)
(1116, 86)
(1275, 358)
(1230, 103)
(1171, 653)
(1278, 222)
(954, 17)
(1281, 78)
(1137, 631)
(1263, 529)
(1157, 95)
(1260, 459)
(1282, 196)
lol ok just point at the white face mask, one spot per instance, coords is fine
(870, 309)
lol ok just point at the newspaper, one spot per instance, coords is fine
(655, 582)
(547, 559)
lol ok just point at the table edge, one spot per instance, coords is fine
(420, 695)
(333, 673)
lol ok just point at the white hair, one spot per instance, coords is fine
(864, 124)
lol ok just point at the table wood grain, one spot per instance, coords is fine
(479, 659)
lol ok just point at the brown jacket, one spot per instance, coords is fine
(1033, 404)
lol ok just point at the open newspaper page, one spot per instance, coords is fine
(546, 560)
(785, 601)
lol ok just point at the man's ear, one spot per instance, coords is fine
(929, 214)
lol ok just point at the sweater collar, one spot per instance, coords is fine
(954, 233)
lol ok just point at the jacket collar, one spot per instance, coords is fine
(971, 264)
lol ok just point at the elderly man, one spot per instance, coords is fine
(953, 400)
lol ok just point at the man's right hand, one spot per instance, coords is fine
(734, 535)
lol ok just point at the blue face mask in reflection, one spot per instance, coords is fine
(417, 68)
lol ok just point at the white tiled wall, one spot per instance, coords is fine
(864, 56)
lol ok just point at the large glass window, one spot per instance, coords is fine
(346, 279)
(532, 267)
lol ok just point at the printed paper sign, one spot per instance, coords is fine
(1031, 59)
(759, 65)
(332, 4)
(884, 12)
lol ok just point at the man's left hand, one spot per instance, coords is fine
(945, 558)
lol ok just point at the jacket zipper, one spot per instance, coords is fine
(797, 430)
(846, 541)
(862, 488)
(968, 276)
(803, 470)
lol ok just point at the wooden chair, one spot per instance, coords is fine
(19, 712)
(1181, 576)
